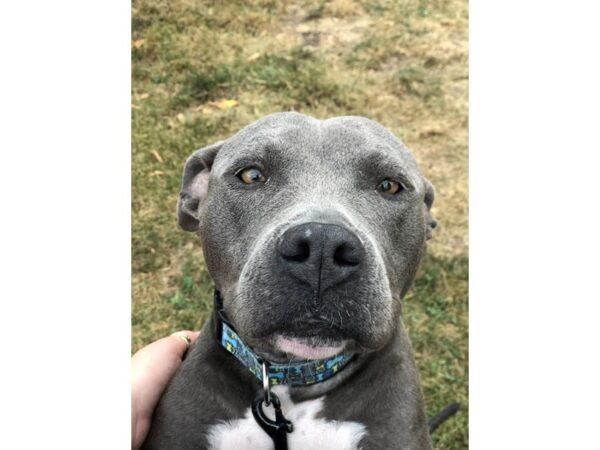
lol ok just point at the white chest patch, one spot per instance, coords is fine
(310, 432)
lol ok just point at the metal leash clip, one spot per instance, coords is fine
(266, 384)
(276, 429)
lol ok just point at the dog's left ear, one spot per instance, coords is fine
(194, 188)
(430, 222)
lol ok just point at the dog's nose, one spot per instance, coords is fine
(321, 255)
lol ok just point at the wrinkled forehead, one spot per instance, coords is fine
(333, 145)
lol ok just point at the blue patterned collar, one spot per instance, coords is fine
(294, 373)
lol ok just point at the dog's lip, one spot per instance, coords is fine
(308, 348)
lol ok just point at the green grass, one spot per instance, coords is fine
(435, 313)
(402, 63)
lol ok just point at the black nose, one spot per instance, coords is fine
(320, 254)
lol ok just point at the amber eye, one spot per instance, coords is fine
(390, 187)
(251, 175)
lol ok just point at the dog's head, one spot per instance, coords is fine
(312, 230)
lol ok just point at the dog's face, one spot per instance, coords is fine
(312, 230)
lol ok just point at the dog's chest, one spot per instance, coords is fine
(310, 432)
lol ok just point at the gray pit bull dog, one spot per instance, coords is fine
(312, 231)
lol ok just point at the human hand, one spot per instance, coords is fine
(151, 369)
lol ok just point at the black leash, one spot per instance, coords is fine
(277, 429)
(442, 416)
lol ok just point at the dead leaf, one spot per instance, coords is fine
(431, 133)
(139, 43)
(157, 173)
(181, 117)
(225, 103)
(253, 57)
(206, 111)
(157, 156)
(230, 103)
(143, 96)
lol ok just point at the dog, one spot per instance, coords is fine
(312, 231)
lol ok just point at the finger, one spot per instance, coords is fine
(193, 335)
(161, 358)
(186, 338)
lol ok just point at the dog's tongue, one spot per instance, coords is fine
(302, 350)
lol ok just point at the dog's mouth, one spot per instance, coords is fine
(308, 339)
(308, 348)
(303, 339)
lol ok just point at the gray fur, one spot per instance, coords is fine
(322, 172)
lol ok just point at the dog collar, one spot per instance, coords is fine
(294, 373)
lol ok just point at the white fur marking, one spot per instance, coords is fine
(309, 433)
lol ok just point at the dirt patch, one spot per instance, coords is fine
(334, 35)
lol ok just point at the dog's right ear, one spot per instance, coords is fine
(430, 222)
(194, 188)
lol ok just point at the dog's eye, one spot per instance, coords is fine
(251, 175)
(390, 187)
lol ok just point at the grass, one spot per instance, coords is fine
(203, 69)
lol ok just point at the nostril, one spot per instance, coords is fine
(346, 255)
(298, 250)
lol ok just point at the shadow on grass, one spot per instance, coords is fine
(300, 76)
